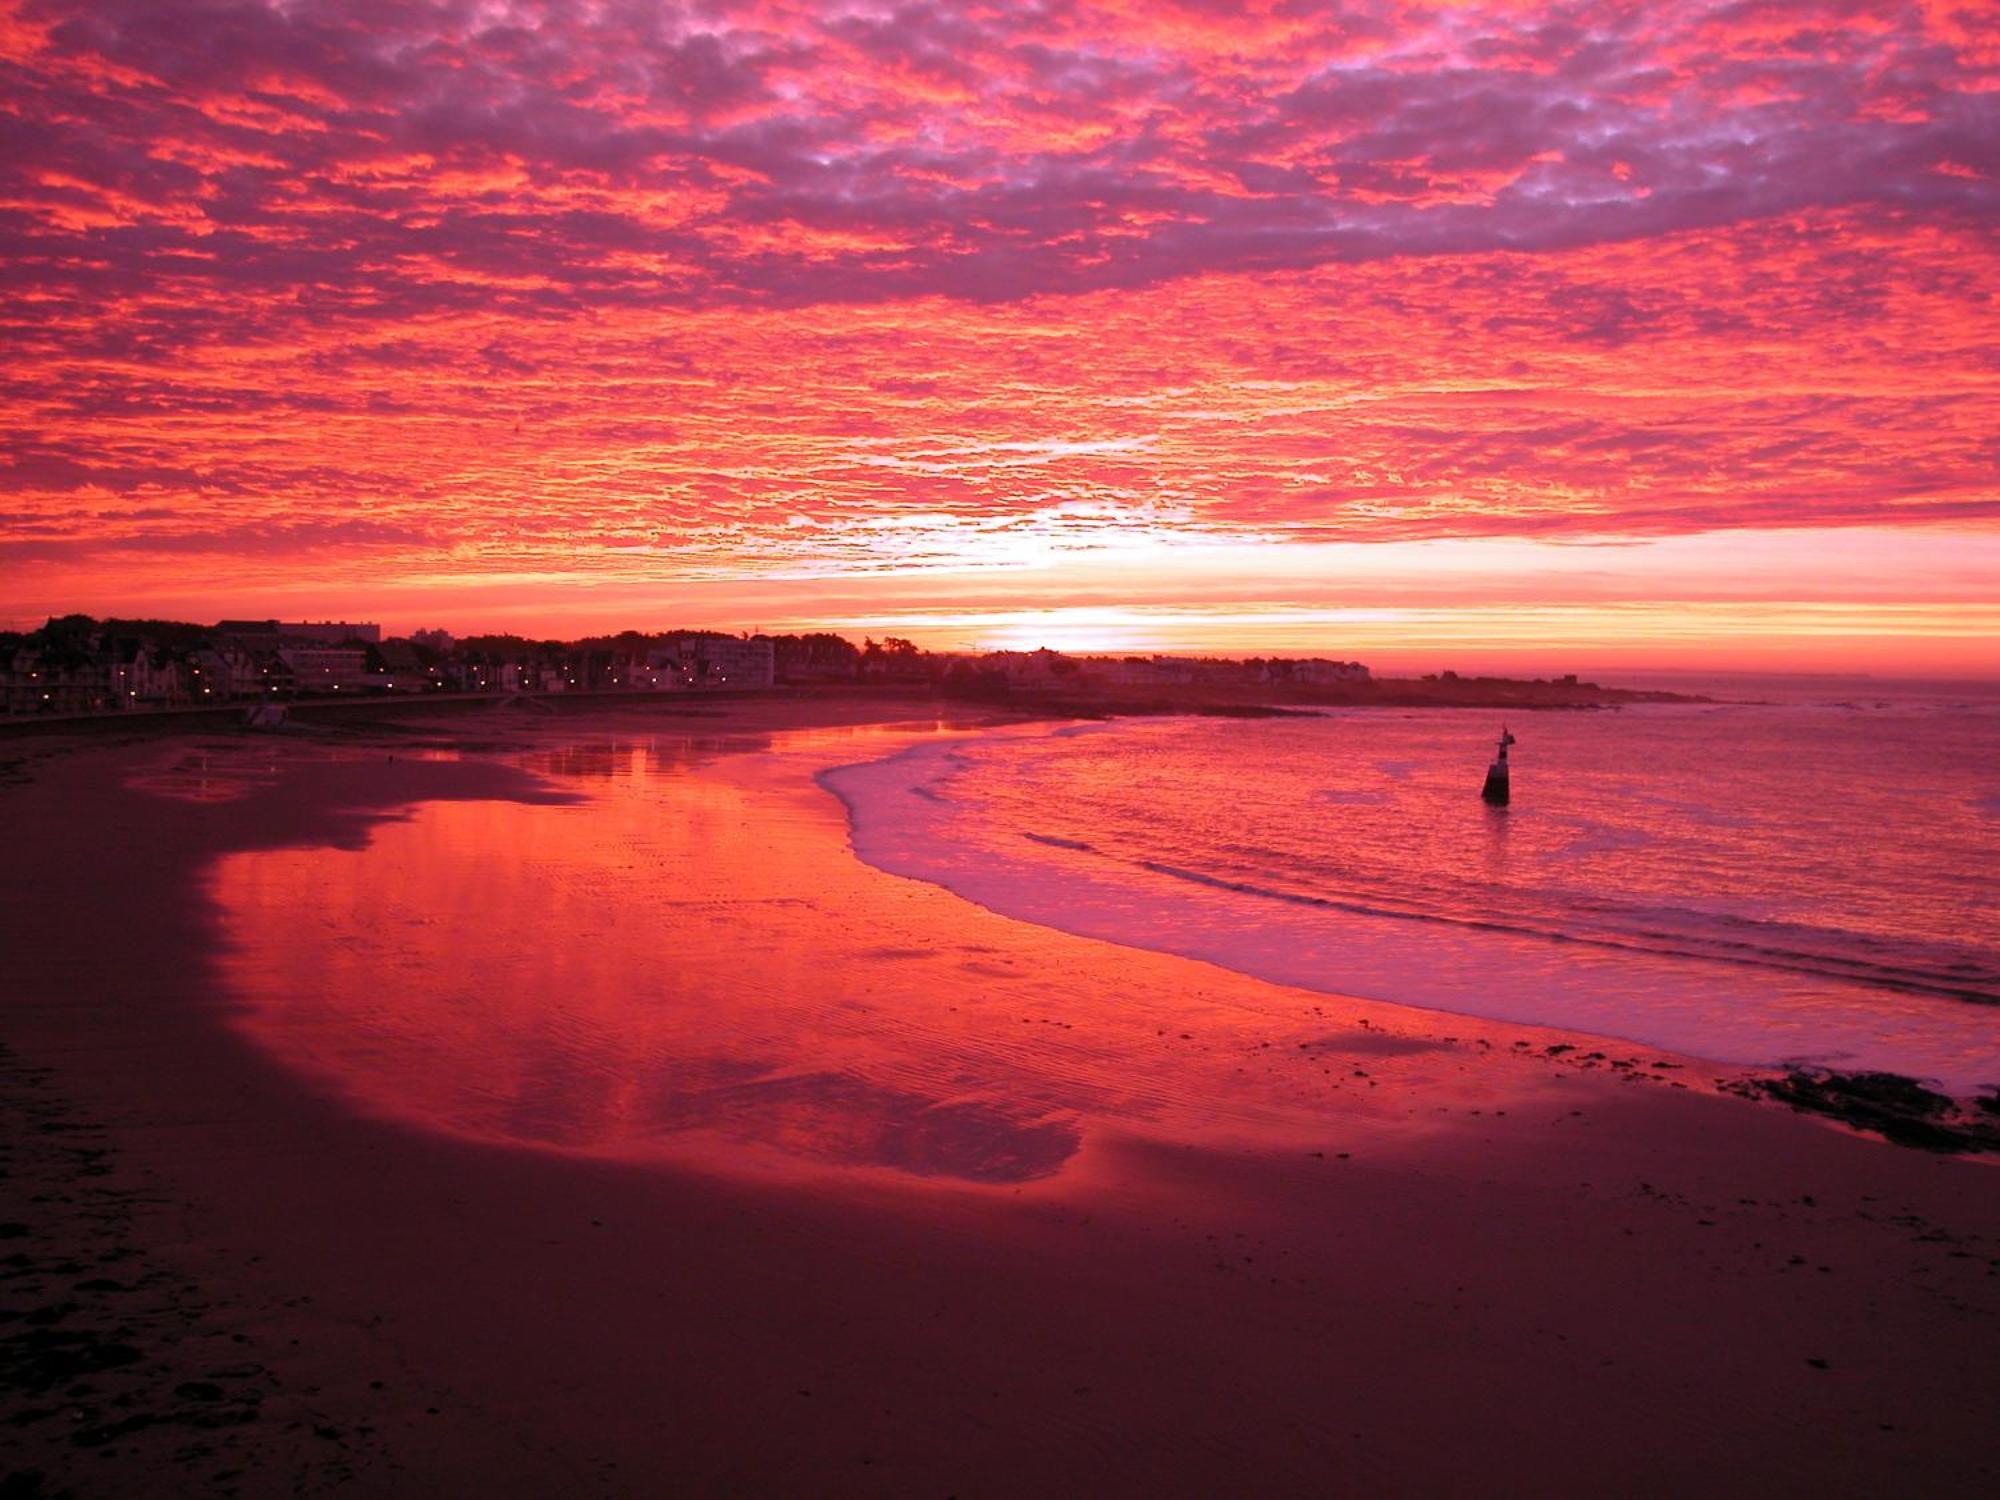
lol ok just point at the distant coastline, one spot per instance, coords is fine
(76, 669)
(1444, 690)
(1080, 701)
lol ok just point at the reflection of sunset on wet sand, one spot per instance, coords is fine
(687, 961)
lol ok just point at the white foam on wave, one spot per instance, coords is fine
(905, 819)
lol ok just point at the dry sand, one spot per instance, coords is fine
(1194, 1235)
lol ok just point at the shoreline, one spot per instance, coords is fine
(1480, 1229)
(1087, 891)
(1089, 699)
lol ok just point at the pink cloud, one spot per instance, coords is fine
(532, 290)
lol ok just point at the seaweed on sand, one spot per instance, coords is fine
(1896, 1108)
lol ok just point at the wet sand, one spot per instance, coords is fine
(887, 1196)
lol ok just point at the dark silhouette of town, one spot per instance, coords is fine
(75, 665)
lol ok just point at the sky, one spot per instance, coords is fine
(1452, 334)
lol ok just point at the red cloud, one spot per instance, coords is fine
(740, 285)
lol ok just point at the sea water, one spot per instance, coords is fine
(1814, 879)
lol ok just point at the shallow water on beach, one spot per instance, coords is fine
(1805, 881)
(648, 946)
(664, 950)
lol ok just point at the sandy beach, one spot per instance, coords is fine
(803, 1179)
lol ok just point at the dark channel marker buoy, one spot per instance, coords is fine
(1496, 790)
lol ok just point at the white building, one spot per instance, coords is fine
(1135, 671)
(327, 669)
(727, 661)
(225, 671)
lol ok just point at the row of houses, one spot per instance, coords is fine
(698, 661)
(1053, 668)
(116, 674)
(701, 661)
(77, 665)
(74, 665)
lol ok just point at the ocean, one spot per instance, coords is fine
(1805, 879)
